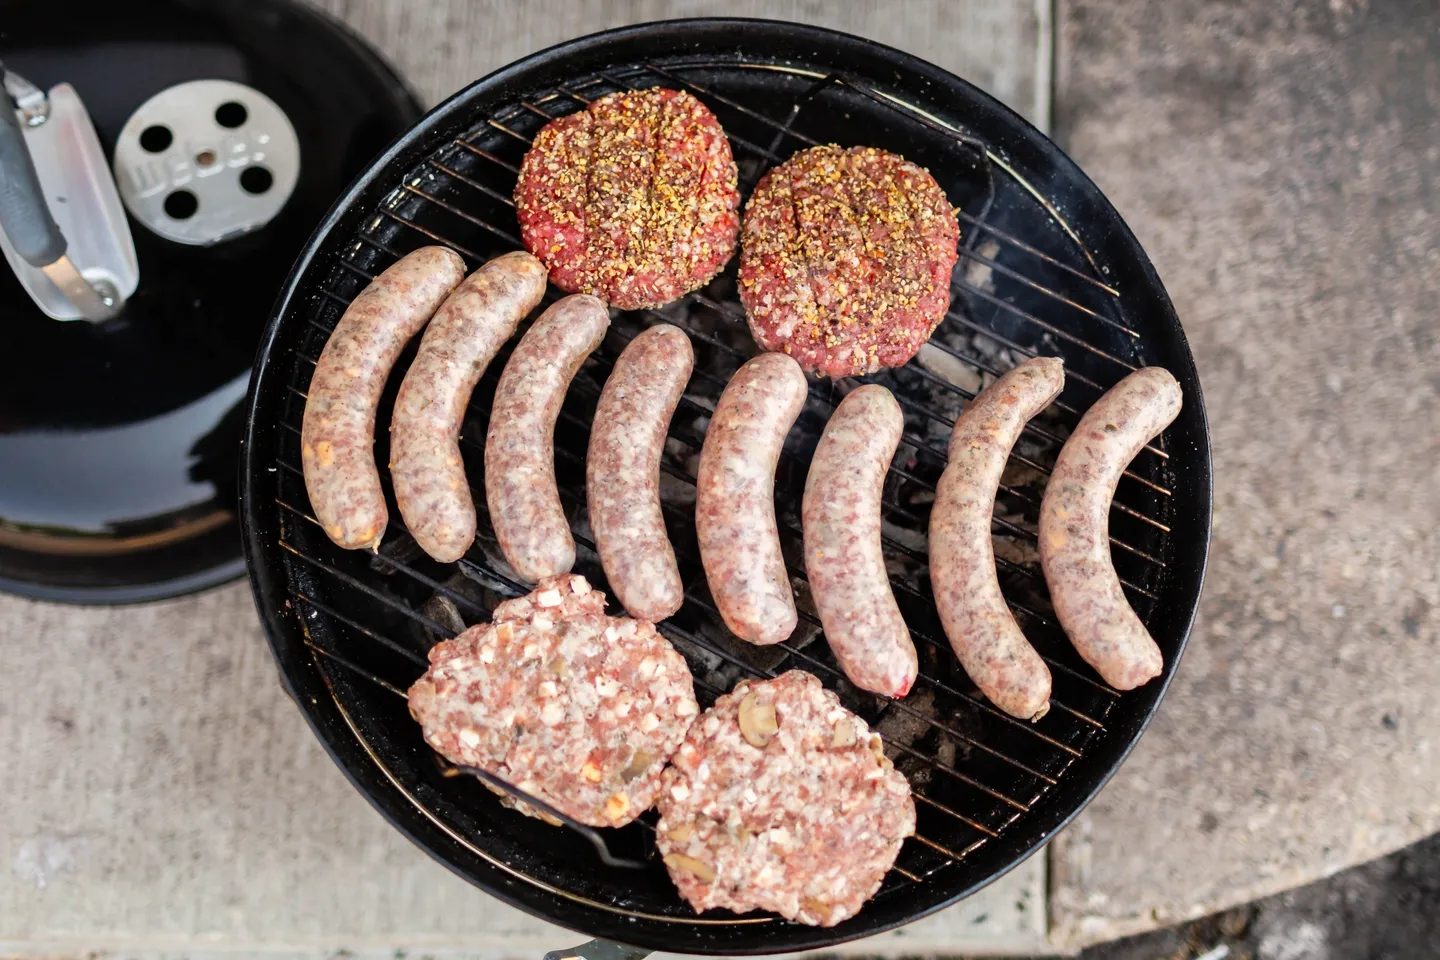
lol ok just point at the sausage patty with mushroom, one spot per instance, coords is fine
(845, 259)
(781, 799)
(632, 199)
(576, 708)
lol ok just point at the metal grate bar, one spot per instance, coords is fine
(363, 587)
(488, 156)
(1014, 241)
(1046, 291)
(472, 182)
(464, 251)
(352, 624)
(508, 237)
(721, 98)
(380, 681)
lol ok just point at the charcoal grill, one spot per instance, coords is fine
(1047, 267)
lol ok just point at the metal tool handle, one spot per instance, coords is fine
(24, 215)
(599, 950)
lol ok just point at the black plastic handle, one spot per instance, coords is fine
(24, 215)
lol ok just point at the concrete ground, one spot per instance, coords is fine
(1388, 909)
(160, 798)
(1279, 163)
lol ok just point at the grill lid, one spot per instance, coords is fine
(1046, 267)
(118, 439)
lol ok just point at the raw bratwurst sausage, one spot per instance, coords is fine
(1075, 526)
(622, 471)
(735, 498)
(980, 626)
(470, 326)
(844, 558)
(337, 437)
(520, 447)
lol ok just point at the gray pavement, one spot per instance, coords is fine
(1279, 163)
(160, 798)
(1280, 167)
(1388, 909)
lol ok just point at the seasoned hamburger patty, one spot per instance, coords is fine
(781, 799)
(845, 259)
(571, 706)
(632, 199)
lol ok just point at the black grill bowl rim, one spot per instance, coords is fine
(1103, 233)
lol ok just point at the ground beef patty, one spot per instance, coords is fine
(574, 707)
(845, 259)
(632, 199)
(781, 799)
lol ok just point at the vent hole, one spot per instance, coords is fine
(256, 179)
(181, 205)
(156, 138)
(231, 114)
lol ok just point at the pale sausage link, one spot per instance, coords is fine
(1075, 527)
(337, 437)
(622, 471)
(520, 483)
(988, 642)
(844, 557)
(735, 498)
(469, 328)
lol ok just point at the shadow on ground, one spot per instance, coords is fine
(1388, 909)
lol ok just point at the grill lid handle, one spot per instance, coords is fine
(24, 214)
(74, 258)
(599, 950)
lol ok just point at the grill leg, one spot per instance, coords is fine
(599, 950)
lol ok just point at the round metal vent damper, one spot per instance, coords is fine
(206, 160)
(227, 128)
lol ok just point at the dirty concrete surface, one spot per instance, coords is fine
(1280, 167)
(174, 802)
(1279, 163)
(1388, 909)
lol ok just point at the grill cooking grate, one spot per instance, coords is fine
(975, 771)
